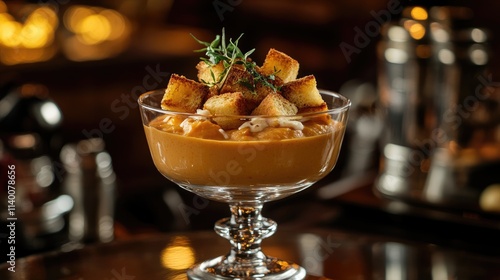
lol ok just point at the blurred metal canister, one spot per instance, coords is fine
(432, 65)
(404, 62)
(90, 181)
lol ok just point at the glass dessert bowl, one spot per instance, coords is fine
(264, 158)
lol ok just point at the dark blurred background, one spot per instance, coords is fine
(93, 58)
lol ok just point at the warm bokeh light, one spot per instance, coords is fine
(117, 22)
(92, 25)
(96, 33)
(12, 56)
(43, 16)
(414, 28)
(74, 15)
(178, 255)
(4, 16)
(182, 276)
(3, 7)
(30, 40)
(417, 31)
(94, 29)
(36, 35)
(24, 141)
(408, 23)
(9, 33)
(37, 31)
(418, 13)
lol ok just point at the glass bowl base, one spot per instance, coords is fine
(274, 269)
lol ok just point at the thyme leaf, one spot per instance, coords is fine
(230, 54)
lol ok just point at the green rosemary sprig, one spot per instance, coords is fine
(230, 54)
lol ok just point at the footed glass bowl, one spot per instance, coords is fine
(249, 161)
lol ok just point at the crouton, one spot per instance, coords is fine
(237, 80)
(260, 93)
(303, 92)
(240, 80)
(281, 65)
(321, 108)
(213, 91)
(183, 94)
(227, 104)
(275, 105)
(210, 75)
(276, 81)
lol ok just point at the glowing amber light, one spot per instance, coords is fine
(39, 28)
(4, 17)
(75, 15)
(36, 32)
(117, 23)
(11, 56)
(3, 7)
(419, 13)
(93, 26)
(94, 29)
(417, 31)
(36, 35)
(408, 23)
(9, 33)
(178, 255)
(44, 16)
(30, 40)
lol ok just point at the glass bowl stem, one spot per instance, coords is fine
(245, 230)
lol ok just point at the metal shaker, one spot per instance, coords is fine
(438, 118)
(401, 81)
(90, 181)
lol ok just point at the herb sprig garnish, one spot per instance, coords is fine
(230, 54)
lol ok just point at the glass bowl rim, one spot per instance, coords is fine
(336, 110)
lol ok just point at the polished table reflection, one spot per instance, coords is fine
(324, 254)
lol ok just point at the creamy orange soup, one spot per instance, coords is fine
(198, 152)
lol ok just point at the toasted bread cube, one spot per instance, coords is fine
(230, 103)
(280, 64)
(275, 105)
(303, 92)
(237, 80)
(256, 97)
(212, 91)
(277, 81)
(208, 74)
(321, 108)
(227, 104)
(183, 94)
(240, 80)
